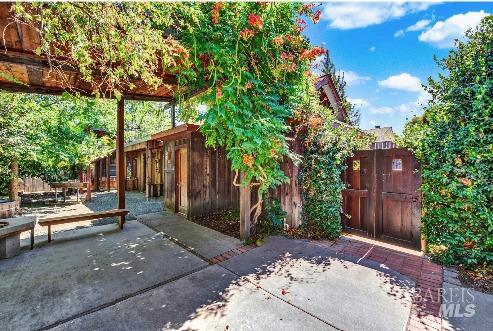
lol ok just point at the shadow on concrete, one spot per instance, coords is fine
(285, 284)
(199, 239)
(86, 271)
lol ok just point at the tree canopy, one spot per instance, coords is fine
(53, 136)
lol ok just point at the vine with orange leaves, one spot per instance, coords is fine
(256, 63)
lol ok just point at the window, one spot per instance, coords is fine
(397, 164)
(356, 165)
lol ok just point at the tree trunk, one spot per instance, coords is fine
(14, 182)
(245, 210)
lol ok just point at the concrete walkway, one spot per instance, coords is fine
(86, 270)
(203, 241)
(101, 278)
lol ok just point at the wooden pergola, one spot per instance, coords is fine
(34, 74)
(23, 71)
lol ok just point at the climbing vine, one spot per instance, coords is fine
(111, 45)
(253, 61)
(327, 144)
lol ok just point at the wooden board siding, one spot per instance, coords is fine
(211, 186)
(289, 193)
(136, 176)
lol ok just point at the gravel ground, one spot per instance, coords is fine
(136, 203)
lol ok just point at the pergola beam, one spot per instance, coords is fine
(20, 88)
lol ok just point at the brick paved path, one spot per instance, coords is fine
(428, 276)
(425, 310)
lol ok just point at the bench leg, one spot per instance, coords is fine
(32, 238)
(49, 233)
(121, 221)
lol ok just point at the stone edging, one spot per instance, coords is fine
(231, 253)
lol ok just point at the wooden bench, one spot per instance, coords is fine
(121, 213)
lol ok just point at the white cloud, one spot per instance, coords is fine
(418, 26)
(372, 49)
(351, 15)
(372, 123)
(352, 78)
(382, 110)
(359, 102)
(408, 83)
(443, 33)
(399, 33)
(402, 82)
(411, 107)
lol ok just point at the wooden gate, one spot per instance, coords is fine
(382, 198)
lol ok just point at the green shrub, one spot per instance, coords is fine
(273, 221)
(454, 142)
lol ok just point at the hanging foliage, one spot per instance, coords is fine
(252, 61)
(111, 44)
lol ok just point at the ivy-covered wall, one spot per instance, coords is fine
(454, 142)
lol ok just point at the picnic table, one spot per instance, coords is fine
(66, 185)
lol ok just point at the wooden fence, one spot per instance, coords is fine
(33, 185)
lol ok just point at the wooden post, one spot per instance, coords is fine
(100, 174)
(372, 194)
(120, 157)
(89, 184)
(96, 175)
(108, 183)
(173, 115)
(245, 206)
(14, 183)
(148, 170)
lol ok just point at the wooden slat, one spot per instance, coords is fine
(82, 217)
(355, 193)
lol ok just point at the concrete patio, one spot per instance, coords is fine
(137, 279)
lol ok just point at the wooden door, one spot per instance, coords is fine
(381, 198)
(401, 205)
(355, 196)
(181, 168)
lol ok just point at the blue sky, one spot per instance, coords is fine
(386, 51)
